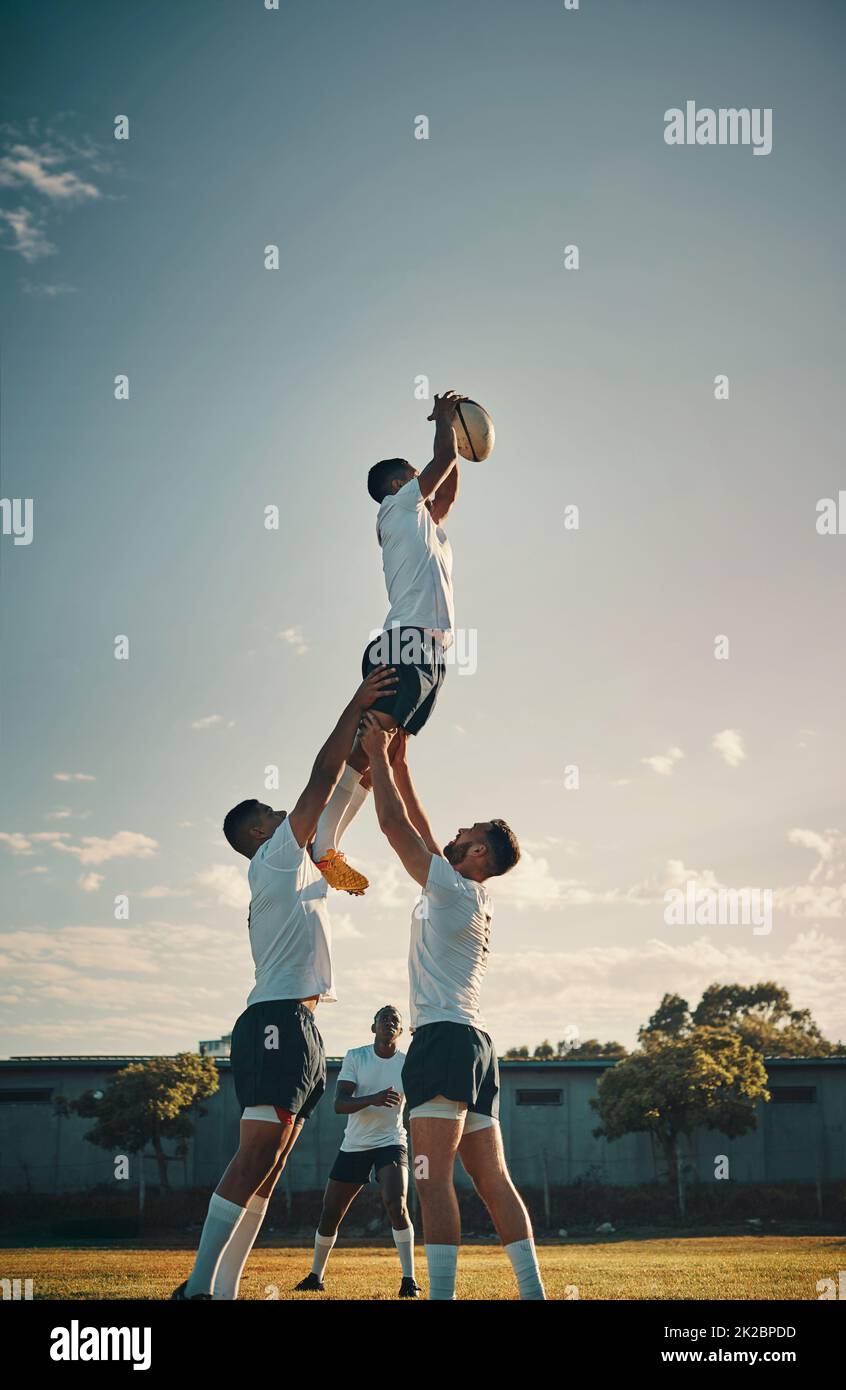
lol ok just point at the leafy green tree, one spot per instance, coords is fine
(708, 1079)
(544, 1051)
(516, 1053)
(591, 1048)
(761, 1015)
(150, 1102)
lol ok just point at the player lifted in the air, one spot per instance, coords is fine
(417, 562)
(369, 1091)
(451, 1073)
(278, 1060)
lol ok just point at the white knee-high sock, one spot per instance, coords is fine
(357, 800)
(524, 1262)
(322, 1250)
(442, 1261)
(222, 1220)
(237, 1252)
(404, 1241)
(326, 834)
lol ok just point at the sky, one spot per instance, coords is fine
(407, 266)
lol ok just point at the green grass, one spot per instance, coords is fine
(701, 1267)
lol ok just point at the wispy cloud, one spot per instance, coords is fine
(124, 844)
(664, 763)
(29, 238)
(91, 883)
(208, 721)
(73, 777)
(729, 745)
(226, 883)
(294, 637)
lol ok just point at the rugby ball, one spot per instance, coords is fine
(474, 431)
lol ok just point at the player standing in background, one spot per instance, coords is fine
(369, 1090)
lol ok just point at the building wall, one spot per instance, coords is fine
(552, 1143)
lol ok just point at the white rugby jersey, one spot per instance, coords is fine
(417, 563)
(376, 1125)
(290, 933)
(450, 935)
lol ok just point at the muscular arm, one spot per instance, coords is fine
(413, 851)
(329, 762)
(444, 499)
(445, 448)
(411, 801)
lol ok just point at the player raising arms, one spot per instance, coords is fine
(369, 1091)
(451, 1074)
(417, 562)
(278, 1060)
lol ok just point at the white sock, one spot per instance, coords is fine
(404, 1241)
(524, 1262)
(442, 1261)
(237, 1252)
(222, 1220)
(326, 833)
(357, 800)
(322, 1250)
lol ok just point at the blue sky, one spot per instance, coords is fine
(248, 388)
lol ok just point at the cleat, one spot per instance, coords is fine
(311, 1284)
(409, 1288)
(180, 1294)
(340, 875)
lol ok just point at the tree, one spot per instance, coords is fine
(150, 1102)
(516, 1053)
(590, 1048)
(544, 1051)
(761, 1015)
(708, 1079)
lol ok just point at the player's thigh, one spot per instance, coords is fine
(263, 1141)
(482, 1154)
(393, 1182)
(436, 1141)
(339, 1197)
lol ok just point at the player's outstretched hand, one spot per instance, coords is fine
(374, 739)
(446, 405)
(382, 681)
(388, 1097)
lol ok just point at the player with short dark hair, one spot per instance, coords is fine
(278, 1060)
(418, 630)
(369, 1091)
(451, 1073)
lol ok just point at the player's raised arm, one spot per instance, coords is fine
(413, 851)
(442, 502)
(398, 757)
(446, 448)
(332, 756)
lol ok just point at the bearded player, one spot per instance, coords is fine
(451, 1073)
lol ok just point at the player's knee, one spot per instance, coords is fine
(397, 1211)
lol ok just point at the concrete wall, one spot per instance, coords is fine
(40, 1152)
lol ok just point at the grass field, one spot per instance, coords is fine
(706, 1267)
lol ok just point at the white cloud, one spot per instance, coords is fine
(73, 777)
(91, 883)
(39, 170)
(124, 844)
(47, 291)
(664, 763)
(729, 744)
(30, 239)
(294, 637)
(209, 721)
(227, 883)
(24, 843)
(344, 928)
(161, 890)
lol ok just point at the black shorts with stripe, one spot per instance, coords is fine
(278, 1057)
(418, 661)
(355, 1167)
(454, 1060)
